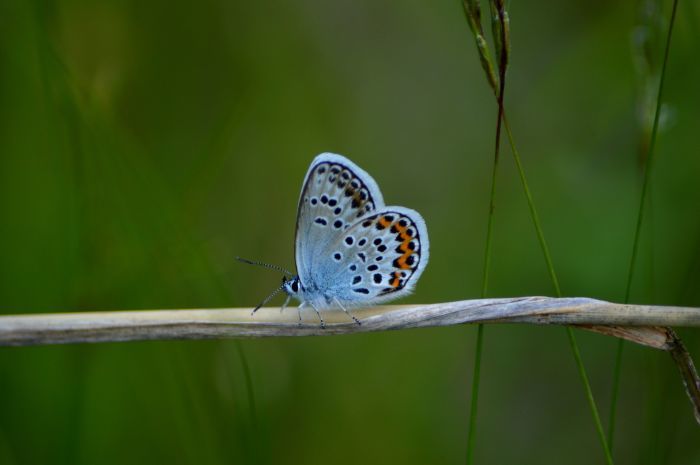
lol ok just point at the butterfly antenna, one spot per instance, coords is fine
(267, 299)
(265, 265)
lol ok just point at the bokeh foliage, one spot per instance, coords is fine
(143, 145)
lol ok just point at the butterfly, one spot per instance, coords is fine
(351, 250)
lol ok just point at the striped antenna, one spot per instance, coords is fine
(266, 265)
(267, 299)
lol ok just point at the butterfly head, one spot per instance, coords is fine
(291, 286)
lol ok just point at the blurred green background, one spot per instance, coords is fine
(143, 145)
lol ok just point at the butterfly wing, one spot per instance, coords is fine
(379, 258)
(335, 194)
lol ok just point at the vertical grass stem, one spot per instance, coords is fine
(637, 231)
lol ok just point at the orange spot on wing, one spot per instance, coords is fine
(402, 261)
(384, 222)
(357, 197)
(405, 238)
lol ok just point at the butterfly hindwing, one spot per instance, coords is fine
(379, 258)
(335, 194)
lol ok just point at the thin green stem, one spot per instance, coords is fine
(476, 378)
(555, 282)
(640, 216)
(473, 17)
(615, 391)
(249, 386)
(489, 227)
(533, 211)
(484, 287)
(475, 393)
(589, 394)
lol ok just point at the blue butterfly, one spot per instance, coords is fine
(351, 250)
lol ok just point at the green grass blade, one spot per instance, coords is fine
(502, 51)
(615, 391)
(640, 217)
(473, 18)
(484, 283)
(555, 283)
(474, 403)
(589, 394)
(248, 385)
(533, 211)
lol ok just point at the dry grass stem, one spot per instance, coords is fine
(633, 322)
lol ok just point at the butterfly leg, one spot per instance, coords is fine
(302, 305)
(347, 312)
(323, 323)
(286, 302)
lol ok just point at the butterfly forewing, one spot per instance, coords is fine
(336, 193)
